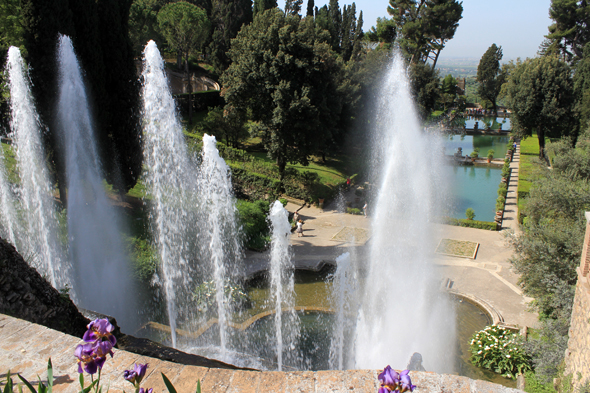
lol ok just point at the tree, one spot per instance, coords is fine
(540, 94)
(448, 89)
(384, 31)
(490, 75)
(283, 73)
(425, 26)
(293, 7)
(310, 7)
(571, 30)
(262, 5)
(185, 27)
(425, 87)
(227, 18)
(582, 87)
(143, 23)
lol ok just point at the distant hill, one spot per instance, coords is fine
(458, 66)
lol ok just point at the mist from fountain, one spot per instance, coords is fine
(37, 237)
(103, 278)
(344, 298)
(282, 285)
(403, 311)
(218, 241)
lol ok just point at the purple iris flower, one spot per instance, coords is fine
(405, 383)
(389, 379)
(85, 355)
(100, 329)
(142, 390)
(102, 349)
(136, 375)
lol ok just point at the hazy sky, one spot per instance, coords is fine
(519, 26)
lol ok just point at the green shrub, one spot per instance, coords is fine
(470, 213)
(283, 201)
(488, 225)
(502, 190)
(252, 216)
(499, 350)
(491, 154)
(353, 210)
(500, 202)
(144, 256)
(534, 385)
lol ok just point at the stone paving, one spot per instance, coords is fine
(25, 348)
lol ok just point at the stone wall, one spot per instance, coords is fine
(577, 357)
(25, 294)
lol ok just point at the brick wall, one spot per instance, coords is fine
(577, 358)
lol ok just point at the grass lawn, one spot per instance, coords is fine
(529, 153)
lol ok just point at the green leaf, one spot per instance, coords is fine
(28, 384)
(8, 387)
(89, 387)
(198, 386)
(49, 376)
(168, 384)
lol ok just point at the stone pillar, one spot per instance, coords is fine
(577, 359)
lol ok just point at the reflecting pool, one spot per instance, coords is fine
(483, 142)
(474, 187)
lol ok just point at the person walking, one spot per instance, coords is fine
(299, 228)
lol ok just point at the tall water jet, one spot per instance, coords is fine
(282, 286)
(344, 299)
(10, 228)
(103, 280)
(218, 240)
(35, 191)
(169, 182)
(403, 312)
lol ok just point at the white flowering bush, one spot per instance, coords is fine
(500, 350)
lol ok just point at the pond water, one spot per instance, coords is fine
(474, 187)
(483, 142)
(484, 122)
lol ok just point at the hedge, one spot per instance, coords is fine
(461, 222)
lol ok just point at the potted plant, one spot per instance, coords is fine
(490, 155)
(475, 153)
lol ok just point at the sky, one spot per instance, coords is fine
(519, 26)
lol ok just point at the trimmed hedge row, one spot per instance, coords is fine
(461, 222)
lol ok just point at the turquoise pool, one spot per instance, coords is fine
(483, 142)
(474, 187)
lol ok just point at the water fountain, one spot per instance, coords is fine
(37, 236)
(344, 299)
(103, 280)
(281, 286)
(192, 210)
(402, 311)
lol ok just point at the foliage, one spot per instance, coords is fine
(491, 154)
(252, 216)
(185, 27)
(500, 202)
(500, 350)
(490, 75)
(143, 24)
(354, 210)
(384, 31)
(490, 226)
(540, 94)
(569, 34)
(534, 385)
(283, 72)
(227, 18)
(262, 5)
(425, 26)
(548, 349)
(204, 295)
(502, 190)
(470, 213)
(506, 170)
(448, 90)
(145, 257)
(225, 124)
(425, 87)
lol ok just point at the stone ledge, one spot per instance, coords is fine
(25, 347)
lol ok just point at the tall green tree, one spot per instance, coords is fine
(293, 7)
(540, 94)
(384, 31)
(490, 75)
(448, 89)
(185, 27)
(582, 88)
(283, 73)
(143, 23)
(425, 83)
(425, 26)
(227, 18)
(571, 28)
(262, 5)
(310, 7)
